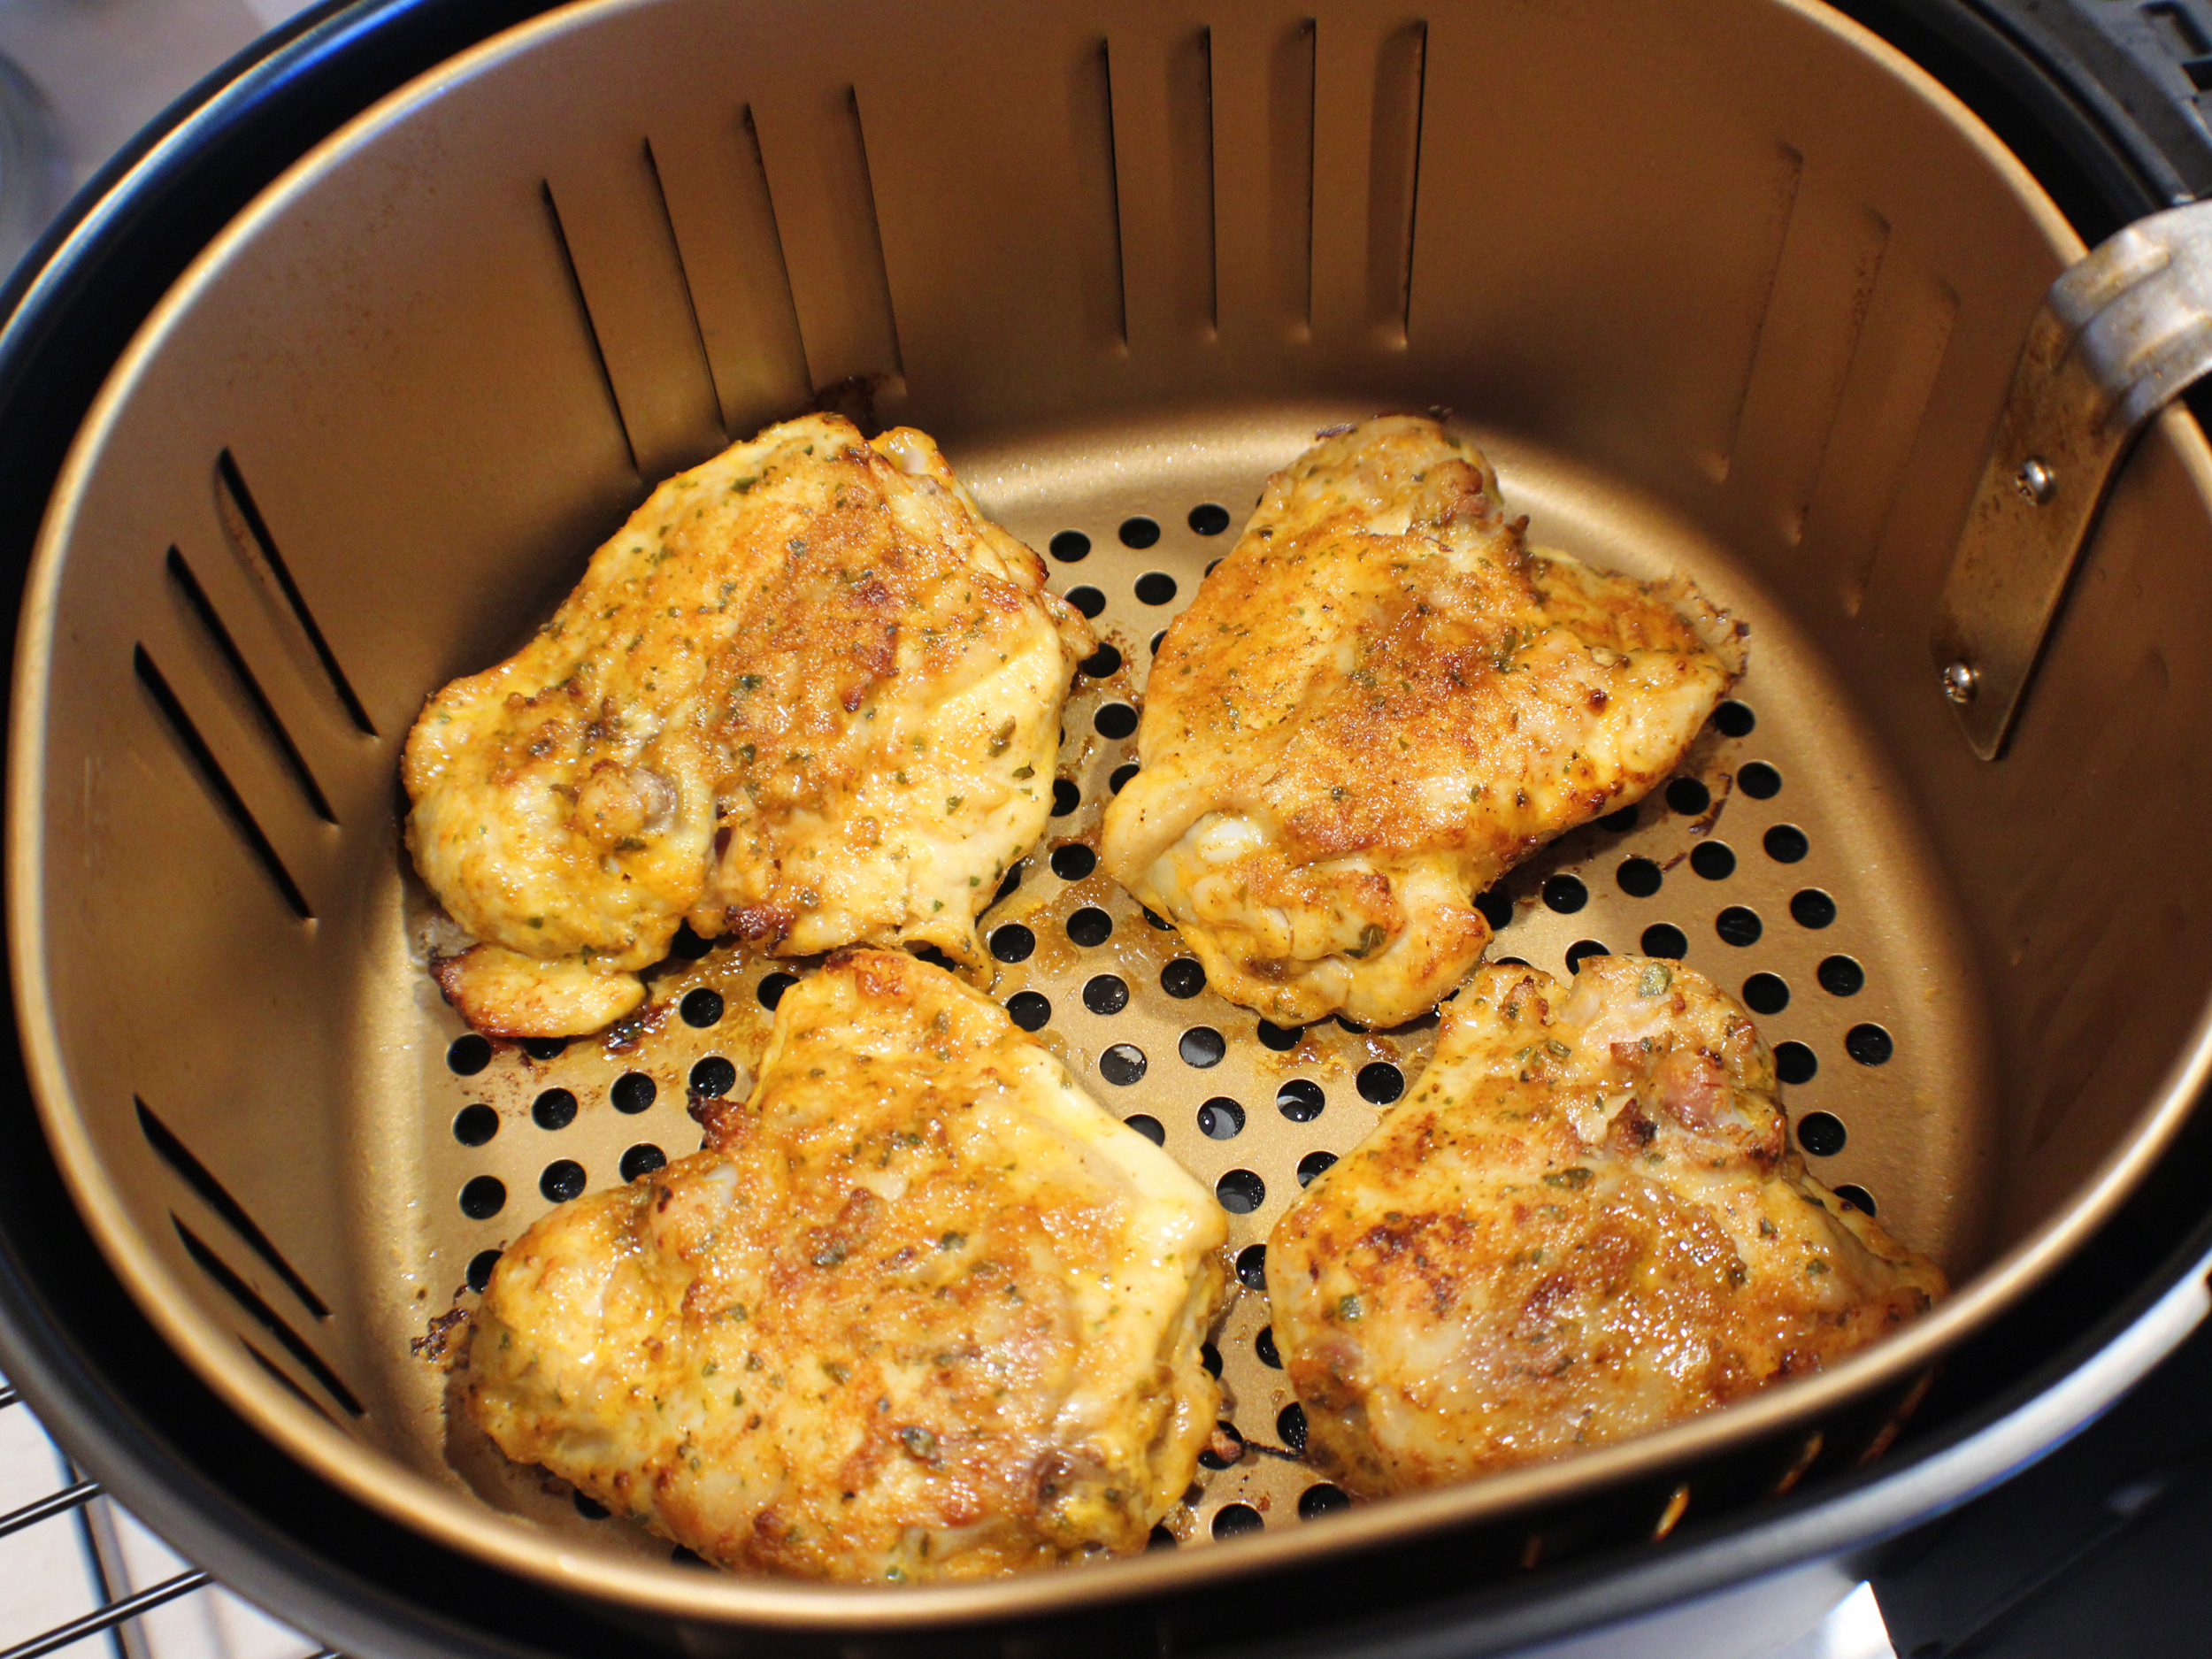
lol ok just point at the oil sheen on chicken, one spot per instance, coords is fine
(1584, 1223)
(1380, 701)
(809, 694)
(920, 1309)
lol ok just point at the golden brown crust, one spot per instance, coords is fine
(1583, 1223)
(503, 994)
(920, 1309)
(1380, 701)
(808, 695)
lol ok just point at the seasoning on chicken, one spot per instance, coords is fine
(921, 1309)
(809, 694)
(1378, 702)
(1584, 1223)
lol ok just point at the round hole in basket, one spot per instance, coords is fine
(1252, 1267)
(553, 1108)
(1841, 976)
(473, 1125)
(1221, 1118)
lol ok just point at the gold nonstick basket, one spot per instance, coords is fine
(1732, 291)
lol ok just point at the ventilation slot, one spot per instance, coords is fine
(1394, 179)
(613, 215)
(1809, 342)
(728, 254)
(815, 148)
(212, 1193)
(212, 774)
(1190, 114)
(243, 517)
(1792, 172)
(775, 281)
(870, 228)
(1878, 424)
(683, 273)
(278, 1374)
(1871, 246)
(591, 331)
(1104, 280)
(1290, 176)
(294, 763)
(246, 1298)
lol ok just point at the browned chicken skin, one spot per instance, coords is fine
(809, 696)
(1378, 703)
(1585, 1222)
(921, 1309)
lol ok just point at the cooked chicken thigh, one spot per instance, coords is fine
(921, 1309)
(1378, 702)
(1583, 1223)
(809, 694)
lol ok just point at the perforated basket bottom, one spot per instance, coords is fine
(1775, 862)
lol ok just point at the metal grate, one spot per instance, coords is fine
(80, 1575)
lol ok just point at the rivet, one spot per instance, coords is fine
(1961, 681)
(2036, 482)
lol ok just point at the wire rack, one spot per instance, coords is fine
(80, 1575)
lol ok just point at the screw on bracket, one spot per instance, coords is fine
(1960, 681)
(2036, 482)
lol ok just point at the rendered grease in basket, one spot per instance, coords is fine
(1585, 1222)
(921, 1309)
(1378, 703)
(808, 695)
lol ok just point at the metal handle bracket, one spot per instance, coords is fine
(2118, 337)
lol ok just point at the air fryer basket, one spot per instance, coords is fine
(1736, 292)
